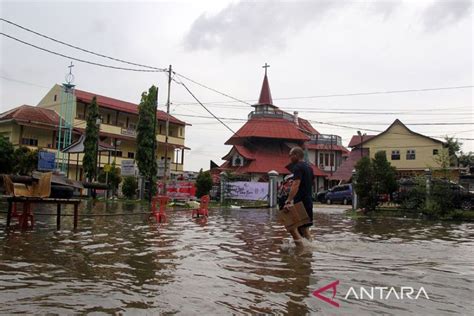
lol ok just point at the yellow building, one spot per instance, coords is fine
(37, 127)
(410, 152)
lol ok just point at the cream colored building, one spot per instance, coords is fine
(406, 150)
(37, 128)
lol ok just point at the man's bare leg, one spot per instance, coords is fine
(296, 236)
(306, 234)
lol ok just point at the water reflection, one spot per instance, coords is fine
(234, 262)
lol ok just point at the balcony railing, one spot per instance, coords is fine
(326, 139)
(272, 114)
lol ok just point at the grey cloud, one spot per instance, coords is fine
(442, 13)
(246, 26)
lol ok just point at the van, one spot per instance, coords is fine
(340, 193)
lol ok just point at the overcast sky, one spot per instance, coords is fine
(315, 48)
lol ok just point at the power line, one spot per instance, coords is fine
(189, 91)
(212, 89)
(23, 82)
(77, 59)
(79, 48)
(348, 94)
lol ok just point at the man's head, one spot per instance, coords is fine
(296, 154)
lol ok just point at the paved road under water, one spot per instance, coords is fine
(236, 262)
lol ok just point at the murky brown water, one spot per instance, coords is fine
(235, 263)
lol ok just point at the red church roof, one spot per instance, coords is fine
(268, 128)
(120, 105)
(265, 94)
(264, 159)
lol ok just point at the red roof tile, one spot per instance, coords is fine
(268, 128)
(344, 172)
(265, 94)
(267, 158)
(306, 125)
(120, 105)
(356, 140)
(242, 150)
(31, 114)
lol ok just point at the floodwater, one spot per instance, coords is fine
(238, 262)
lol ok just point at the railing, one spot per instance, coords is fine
(272, 114)
(326, 139)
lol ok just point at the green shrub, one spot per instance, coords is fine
(203, 183)
(129, 187)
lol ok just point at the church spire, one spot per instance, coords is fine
(265, 94)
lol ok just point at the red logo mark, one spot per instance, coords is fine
(325, 288)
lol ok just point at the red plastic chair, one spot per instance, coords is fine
(159, 215)
(203, 207)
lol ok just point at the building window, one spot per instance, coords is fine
(131, 155)
(132, 126)
(55, 97)
(117, 153)
(411, 155)
(180, 132)
(435, 152)
(395, 154)
(29, 142)
(108, 118)
(160, 130)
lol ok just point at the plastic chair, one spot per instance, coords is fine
(159, 215)
(203, 207)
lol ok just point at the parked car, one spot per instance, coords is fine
(340, 193)
(320, 196)
(461, 197)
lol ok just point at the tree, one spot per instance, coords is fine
(203, 183)
(90, 143)
(25, 160)
(114, 177)
(146, 156)
(454, 147)
(374, 177)
(466, 159)
(6, 155)
(129, 187)
(364, 184)
(385, 174)
(443, 159)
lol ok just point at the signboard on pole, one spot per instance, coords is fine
(46, 161)
(128, 168)
(242, 190)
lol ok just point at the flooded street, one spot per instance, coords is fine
(237, 262)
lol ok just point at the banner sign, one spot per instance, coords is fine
(179, 189)
(46, 160)
(127, 167)
(241, 190)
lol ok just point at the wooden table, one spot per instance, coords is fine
(36, 200)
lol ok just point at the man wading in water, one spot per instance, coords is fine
(300, 191)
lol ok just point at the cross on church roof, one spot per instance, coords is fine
(265, 66)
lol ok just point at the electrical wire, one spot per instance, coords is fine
(78, 59)
(81, 49)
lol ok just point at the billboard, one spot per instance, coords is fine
(46, 160)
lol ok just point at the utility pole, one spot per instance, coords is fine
(154, 146)
(167, 129)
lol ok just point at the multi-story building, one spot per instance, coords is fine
(37, 127)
